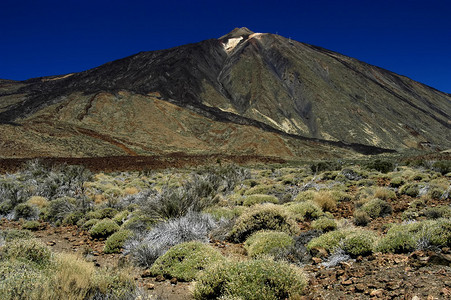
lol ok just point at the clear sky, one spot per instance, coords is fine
(41, 38)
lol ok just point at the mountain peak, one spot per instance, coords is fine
(236, 33)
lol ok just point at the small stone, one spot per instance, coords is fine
(316, 260)
(146, 273)
(174, 280)
(377, 293)
(318, 252)
(51, 243)
(159, 278)
(346, 282)
(360, 287)
(150, 286)
(415, 297)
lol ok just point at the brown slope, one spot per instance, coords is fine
(272, 84)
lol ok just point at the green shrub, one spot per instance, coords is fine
(325, 166)
(383, 166)
(361, 218)
(104, 228)
(94, 214)
(268, 243)
(138, 222)
(305, 196)
(259, 199)
(115, 242)
(325, 200)
(225, 212)
(402, 238)
(59, 208)
(13, 234)
(442, 211)
(328, 241)
(107, 212)
(377, 208)
(442, 166)
(88, 224)
(184, 261)
(410, 189)
(22, 280)
(359, 243)
(121, 217)
(304, 210)
(263, 216)
(324, 224)
(32, 250)
(253, 279)
(397, 181)
(31, 225)
(26, 211)
(264, 189)
(72, 218)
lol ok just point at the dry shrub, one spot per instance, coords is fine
(384, 194)
(38, 201)
(325, 200)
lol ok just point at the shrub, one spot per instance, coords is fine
(328, 241)
(228, 213)
(59, 208)
(396, 181)
(72, 218)
(304, 210)
(138, 222)
(31, 225)
(383, 166)
(185, 260)
(107, 212)
(377, 208)
(31, 250)
(115, 242)
(410, 189)
(121, 217)
(192, 227)
(384, 194)
(402, 238)
(324, 224)
(104, 228)
(94, 214)
(13, 234)
(304, 196)
(442, 166)
(88, 224)
(325, 166)
(325, 200)
(264, 189)
(253, 279)
(26, 211)
(361, 218)
(259, 199)
(268, 243)
(442, 211)
(264, 216)
(359, 243)
(38, 201)
(21, 280)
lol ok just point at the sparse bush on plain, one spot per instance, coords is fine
(267, 242)
(377, 208)
(410, 189)
(263, 216)
(324, 224)
(253, 279)
(325, 200)
(115, 242)
(104, 228)
(259, 199)
(359, 243)
(31, 225)
(192, 227)
(304, 210)
(31, 250)
(361, 218)
(184, 261)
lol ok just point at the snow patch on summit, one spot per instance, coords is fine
(232, 43)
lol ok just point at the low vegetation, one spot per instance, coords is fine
(174, 222)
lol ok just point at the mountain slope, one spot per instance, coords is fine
(260, 83)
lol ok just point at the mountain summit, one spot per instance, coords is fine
(245, 93)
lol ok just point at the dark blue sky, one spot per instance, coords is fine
(40, 38)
